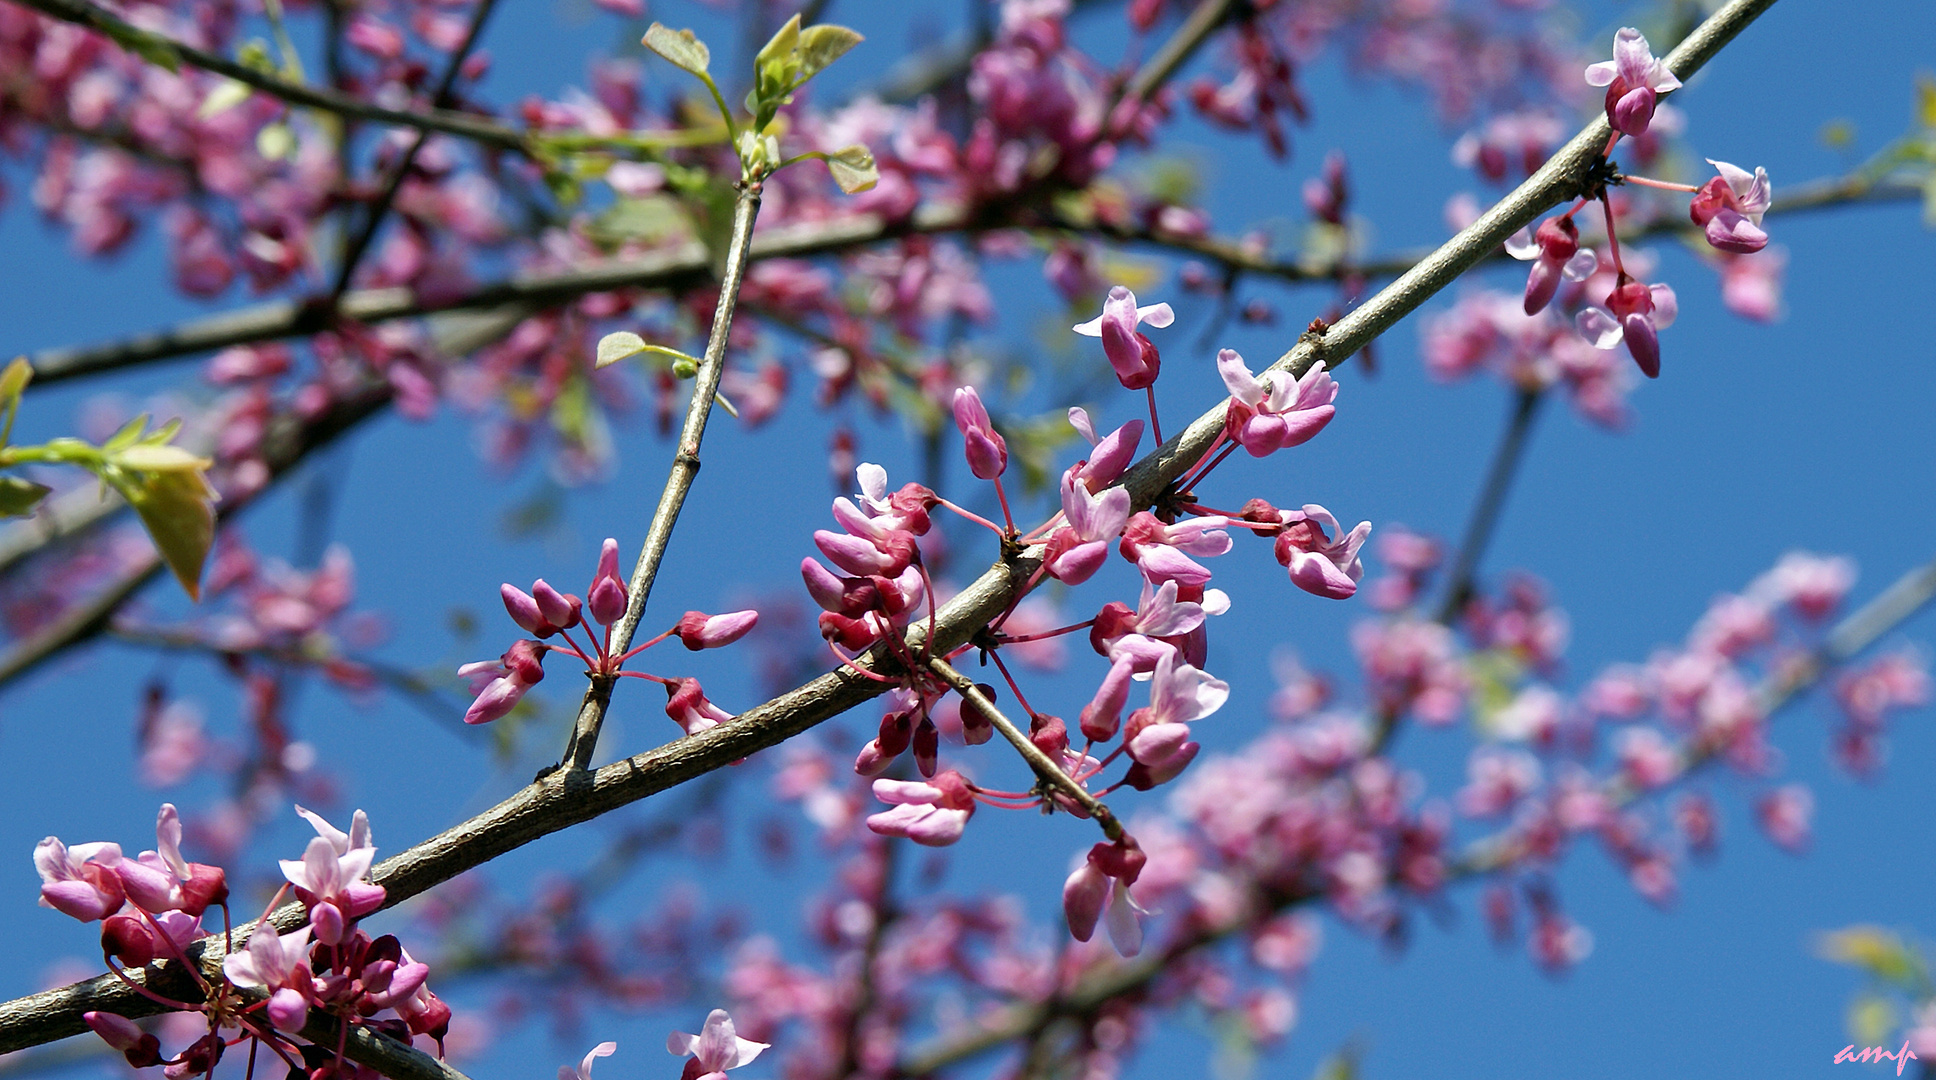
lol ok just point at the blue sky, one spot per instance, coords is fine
(1812, 433)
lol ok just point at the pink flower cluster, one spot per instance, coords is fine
(545, 613)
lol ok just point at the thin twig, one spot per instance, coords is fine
(462, 125)
(685, 467)
(1046, 770)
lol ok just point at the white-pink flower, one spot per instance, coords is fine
(715, 1049)
(1634, 80)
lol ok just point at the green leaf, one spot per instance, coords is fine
(19, 497)
(126, 437)
(13, 382)
(779, 58)
(679, 47)
(178, 509)
(619, 346)
(1880, 952)
(821, 46)
(853, 169)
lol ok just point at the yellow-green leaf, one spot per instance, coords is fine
(178, 509)
(853, 169)
(821, 46)
(679, 47)
(618, 346)
(19, 497)
(777, 55)
(14, 380)
(1880, 952)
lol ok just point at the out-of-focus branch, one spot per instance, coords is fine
(566, 797)
(462, 125)
(283, 450)
(1902, 599)
(288, 442)
(279, 319)
(453, 67)
(1492, 501)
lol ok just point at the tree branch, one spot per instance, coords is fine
(151, 45)
(685, 468)
(1047, 772)
(278, 319)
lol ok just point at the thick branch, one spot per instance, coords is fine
(463, 125)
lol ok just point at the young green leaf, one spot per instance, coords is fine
(13, 382)
(779, 57)
(853, 169)
(822, 45)
(19, 497)
(126, 437)
(618, 346)
(178, 509)
(679, 47)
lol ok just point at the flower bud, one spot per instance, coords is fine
(698, 630)
(559, 609)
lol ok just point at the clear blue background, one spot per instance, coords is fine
(1810, 433)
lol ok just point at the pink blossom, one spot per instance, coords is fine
(1785, 814)
(335, 867)
(500, 684)
(1132, 355)
(606, 596)
(1078, 549)
(1640, 311)
(79, 881)
(1162, 551)
(1111, 454)
(1558, 256)
(140, 1048)
(688, 706)
(933, 813)
(1158, 737)
(1751, 284)
(987, 451)
(1730, 206)
(1646, 757)
(715, 1049)
(698, 630)
(1101, 883)
(1317, 563)
(1496, 779)
(1277, 412)
(279, 964)
(1634, 82)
